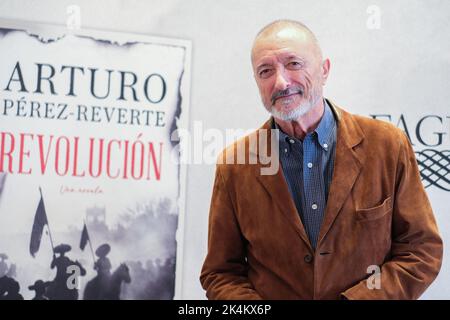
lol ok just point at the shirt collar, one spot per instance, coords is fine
(324, 130)
(326, 126)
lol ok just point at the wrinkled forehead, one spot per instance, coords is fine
(282, 46)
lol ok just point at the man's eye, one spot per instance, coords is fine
(264, 72)
(295, 64)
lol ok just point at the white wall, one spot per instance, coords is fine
(405, 64)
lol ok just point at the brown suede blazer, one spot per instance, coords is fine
(377, 213)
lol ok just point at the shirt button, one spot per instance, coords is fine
(325, 145)
(308, 258)
(285, 150)
(314, 206)
(292, 141)
(310, 165)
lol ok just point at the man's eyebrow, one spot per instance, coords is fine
(292, 56)
(263, 65)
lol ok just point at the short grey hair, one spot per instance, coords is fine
(283, 23)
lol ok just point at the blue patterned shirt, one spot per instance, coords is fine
(308, 169)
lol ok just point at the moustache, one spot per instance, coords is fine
(287, 92)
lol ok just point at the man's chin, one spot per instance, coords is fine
(289, 115)
(286, 115)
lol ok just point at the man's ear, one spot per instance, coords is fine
(325, 70)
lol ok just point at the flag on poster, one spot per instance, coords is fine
(84, 238)
(2, 182)
(40, 220)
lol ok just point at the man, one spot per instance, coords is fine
(103, 268)
(103, 265)
(344, 217)
(58, 289)
(11, 287)
(39, 287)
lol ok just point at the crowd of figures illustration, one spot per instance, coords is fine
(98, 279)
(105, 285)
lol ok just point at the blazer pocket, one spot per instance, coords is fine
(375, 212)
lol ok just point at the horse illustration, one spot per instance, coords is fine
(107, 288)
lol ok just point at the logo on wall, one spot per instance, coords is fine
(431, 142)
(434, 168)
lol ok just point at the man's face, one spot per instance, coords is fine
(289, 73)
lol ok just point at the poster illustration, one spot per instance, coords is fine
(91, 192)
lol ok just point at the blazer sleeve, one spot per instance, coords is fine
(224, 272)
(416, 250)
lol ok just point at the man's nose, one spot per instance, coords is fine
(281, 80)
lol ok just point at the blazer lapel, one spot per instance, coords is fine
(277, 188)
(347, 166)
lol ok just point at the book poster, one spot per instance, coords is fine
(91, 192)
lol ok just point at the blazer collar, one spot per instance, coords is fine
(349, 160)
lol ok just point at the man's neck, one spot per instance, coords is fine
(305, 124)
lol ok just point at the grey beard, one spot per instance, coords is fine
(299, 111)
